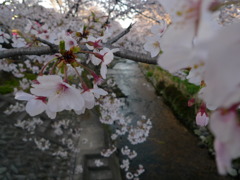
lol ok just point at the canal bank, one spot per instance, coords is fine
(171, 151)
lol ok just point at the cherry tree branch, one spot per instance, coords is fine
(52, 48)
(135, 56)
(119, 36)
(43, 50)
(51, 45)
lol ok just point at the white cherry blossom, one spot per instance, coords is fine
(61, 96)
(226, 129)
(153, 45)
(159, 29)
(221, 69)
(35, 105)
(4, 37)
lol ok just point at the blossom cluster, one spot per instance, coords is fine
(196, 41)
(123, 126)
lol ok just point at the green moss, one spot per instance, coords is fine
(5, 89)
(8, 82)
(30, 76)
(176, 93)
(149, 73)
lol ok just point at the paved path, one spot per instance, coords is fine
(171, 153)
(20, 159)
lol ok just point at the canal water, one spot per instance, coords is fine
(171, 151)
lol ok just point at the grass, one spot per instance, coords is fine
(7, 83)
(175, 91)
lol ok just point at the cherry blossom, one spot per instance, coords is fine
(202, 119)
(4, 37)
(126, 151)
(17, 107)
(153, 45)
(35, 105)
(98, 163)
(159, 29)
(42, 144)
(222, 89)
(125, 164)
(153, 42)
(61, 96)
(67, 38)
(192, 23)
(108, 152)
(104, 57)
(90, 94)
(191, 102)
(226, 129)
(94, 43)
(129, 175)
(18, 41)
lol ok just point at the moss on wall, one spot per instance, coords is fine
(176, 93)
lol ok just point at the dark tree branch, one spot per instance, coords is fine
(28, 51)
(52, 48)
(75, 6)
(51, 45)
(135, 56)
(42, 50)
(116, 38)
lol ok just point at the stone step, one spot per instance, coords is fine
(91, 164)
(3, 104)
(100, 175)
(95, 171)
(91, 161)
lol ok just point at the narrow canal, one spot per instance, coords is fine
(171, 151)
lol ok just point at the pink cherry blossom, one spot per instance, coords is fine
(94, 43)
(61, 96)
(104, 57)
(223, 158)
(35, 104)
(222, 69)
(202, 119)
(226, 129)
(191, 102)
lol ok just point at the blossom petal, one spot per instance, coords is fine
(23, 96)
(103, 71)
(35, 107)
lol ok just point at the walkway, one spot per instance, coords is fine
(65, 148)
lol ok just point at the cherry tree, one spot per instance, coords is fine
(56, 45)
